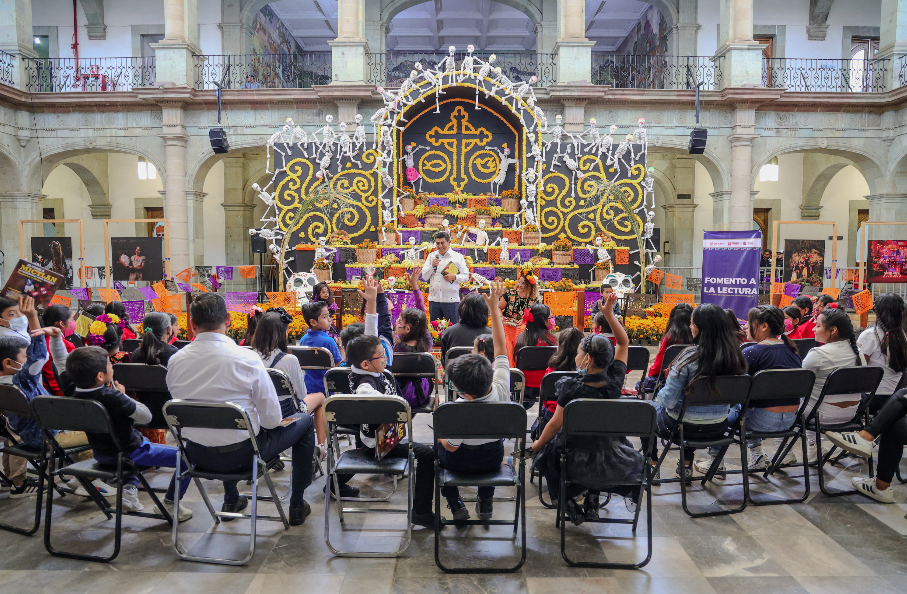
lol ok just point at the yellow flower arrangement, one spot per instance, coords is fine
(562, 244)
(455, 197)
(531, 228)
(350, 319)
(366, 244)
(509, 284)
(97, 328)
(323, 264)
(297, 327)
(489, 211)
(512, 193)
(563, 285)
(458, 213)
(645, 328)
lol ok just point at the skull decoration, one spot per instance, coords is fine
(620, 282)
(302, 283)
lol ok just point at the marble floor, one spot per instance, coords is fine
(838, 545)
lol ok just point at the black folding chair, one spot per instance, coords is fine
(355, 409)
(77, 340)
(195, 414)
(517, 385)
(774, 384)
(586, 418)
(314, 358)
(804, 345)
(149, 385)
(413, 368)
(496, 420)
(453, 353)
(534, 358)
(75, 414)
(131, 344)
(638, 360)
(671, 353)
(730, 391)
(290, 404)
(181, 343)
(546, 394)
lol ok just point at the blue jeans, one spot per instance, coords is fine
(466, 461)
(300, 436)
(448, 311)
(154, 454)
(760, 419)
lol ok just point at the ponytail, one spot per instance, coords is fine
(835, 318)
(889, 309)
(774, 318)
(155, 325)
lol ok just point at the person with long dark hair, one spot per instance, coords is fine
(807, 328)
(473, 322)
(411, 336)
(57, 316)
(155, 348)
(539, 322)
(715, 351)
(564, 359)
(118, 309)
(734, 323)
(885, 345)
(677, 331)
(174, 328)
(252, 321)
(839, 349)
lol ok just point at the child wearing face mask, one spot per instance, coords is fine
(57, 316)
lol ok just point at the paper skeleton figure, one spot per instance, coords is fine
(323, 252)
(484, 71)
(481, 239)
(409, 159)
(503, 166)
(559, 135)
(526, 211)
(327, 136)
(414, 252)
(641, 136)
(283, 136)
(448, 66)
(467, 67)
(648, 186)
(522, 90)
(345, 145)
(505, 252)
(408, 86)
(573, 166)
(601, 255)
(622, 148)
(387, 216)
(435, 82)
(359, 133)
(268, 199)
(531, 183)
(506, 85)
(538, 116)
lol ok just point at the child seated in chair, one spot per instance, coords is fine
(91, 371)
(318, 318)
(478, 379)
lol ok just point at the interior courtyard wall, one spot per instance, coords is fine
(215, 225)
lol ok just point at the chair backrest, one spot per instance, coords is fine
(413, 365)
(14, 402)
(282, 384)
(337, 381)
(671, 353)
(131, 344)
(313, 357)
(804, 345)
(73, 414)
(534, 358)
(494, 420)
(77, 340)
(729, 390)
(546, 391)
(637, 358)
(778, 384)
(204, 414)
(358, 409)
(140, 377)
(863, 379)
(902, 383)
(628, 418)
(181, 343)
(517, 380)
(454, 352)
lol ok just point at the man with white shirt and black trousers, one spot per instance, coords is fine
(214, 368)
(444, 285)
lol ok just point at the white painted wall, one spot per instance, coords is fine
(215, 222)
(702, 216)
(707, 38)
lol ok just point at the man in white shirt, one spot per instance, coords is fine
(443, 283)
(214, 368)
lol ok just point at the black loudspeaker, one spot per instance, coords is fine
(259, 245)
(219, 141)
(697, 140)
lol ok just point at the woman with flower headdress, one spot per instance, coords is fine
(514, 304)
(107, 332)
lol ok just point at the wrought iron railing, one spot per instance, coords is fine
(902, 70)
(826, 75)
(269, 71)
(390, 68)
(656, 72)
(7, 69)
(67, 75)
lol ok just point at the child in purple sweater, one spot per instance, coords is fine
(411, 336)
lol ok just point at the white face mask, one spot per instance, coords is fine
(19, 324)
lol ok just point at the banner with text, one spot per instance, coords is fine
(730, 269)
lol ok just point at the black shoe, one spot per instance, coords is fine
(278, 466)
(484, 508)
(345, 491)
(591, 506)
(234, 508)
(456, 507)
(574, 512)
(426, 520)
(299, 514)
(28, 488)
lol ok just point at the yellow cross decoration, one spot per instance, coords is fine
(458, 136)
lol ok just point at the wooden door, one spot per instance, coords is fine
(153, 212)
(767, 54)
(760, 217)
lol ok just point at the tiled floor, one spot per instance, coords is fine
(841, 545)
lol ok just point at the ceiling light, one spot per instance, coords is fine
(37, 40)
(769, 171)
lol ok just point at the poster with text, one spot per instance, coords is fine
(54, 254)
(137, 258)
(730, 270)
(804, 261)
(30, 280)
(887, 261)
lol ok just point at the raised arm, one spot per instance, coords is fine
(622, 350)
(497, 319)
(417, 291)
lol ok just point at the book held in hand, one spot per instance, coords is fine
(451, 269)
(30, 280)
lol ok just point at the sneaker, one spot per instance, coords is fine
(574, 512)
(456, 507)
(812, 453)
(631, 505)
(426, 520)
(103, 488)
(131, 499)
(591, 506)
(702, 467)
(345, 491)
(321, 451)
(183, 514)
(28, 488)
(758, 460)
(851, 442)
(867, 486)
(299, 514)
(278, 466)
(683, 471)
(484, 508)
(234, 508)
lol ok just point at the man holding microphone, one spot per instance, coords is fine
(444, 270)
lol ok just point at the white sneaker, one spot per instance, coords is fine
(184, 512)
(867, 486)
(102, 487)
(851, 442)
(131, 498)
(321, 451)
(703, 464)
(758, 460)
(812, 452)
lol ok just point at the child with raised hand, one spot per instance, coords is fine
(411, 336)
(479, 380)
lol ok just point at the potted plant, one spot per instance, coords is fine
(531, 234)
(323, 269)
(562, 250)
(366, 252)
(433, 216)
(602, 269)
(510, 200)
(408, 199)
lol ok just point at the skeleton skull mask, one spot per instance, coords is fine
(620, 282)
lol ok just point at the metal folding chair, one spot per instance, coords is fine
(149, 384)
(671, 353)
(804, 345)
(181, 343)
(314, 358)
(546, 394)
(194, 414)
(355, 409)
(414, 367)
(452, 353)
(586, 418)
(131, 344)
(290, 404)
(638, 360)
(496, 420)
(74, 414)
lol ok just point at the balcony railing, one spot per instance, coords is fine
(270, 71)
(826, 75)
(902, 70)
(67, 75)
(7, 69)
(391, 68)
(656, 72)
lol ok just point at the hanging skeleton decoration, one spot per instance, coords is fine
(408, 86)
(283, 136)
(328, 136)
(345, 145)
(435, 81)
(467, 66)
(573, 166)
(503, 166)
(531, 184)
(559, 135)
(387, 216)
(648, 186)
(481, 239)
(484, 71)
(414, 252)
(622, 148)
(524, 88)
(641, 136)
(409, 159)
(268, 199)
(359, 134)
(539, 116)
(448, 66)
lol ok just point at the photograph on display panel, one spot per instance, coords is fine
(137, 258)
(887, 261)
(54, 254)
(804, 261)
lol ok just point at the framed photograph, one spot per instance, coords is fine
(137, 258)
(887, 261)
(804, 261)
(54, 254)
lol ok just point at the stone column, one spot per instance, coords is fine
(721, 202)
(176, 207)
(237, 213)
(235, 34)
(15, 207)
(684, 35)
(740, 208)
(196, 223)
(741, 57)
(574, 51)
(892, 39)
(574, 114)
(16, 38)
(173, 60)
(679, 230)
(810, 212)
(885, 207)
(348, 51)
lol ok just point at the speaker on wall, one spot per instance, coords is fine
(697, 140)
(259, 245)
(219, 142)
